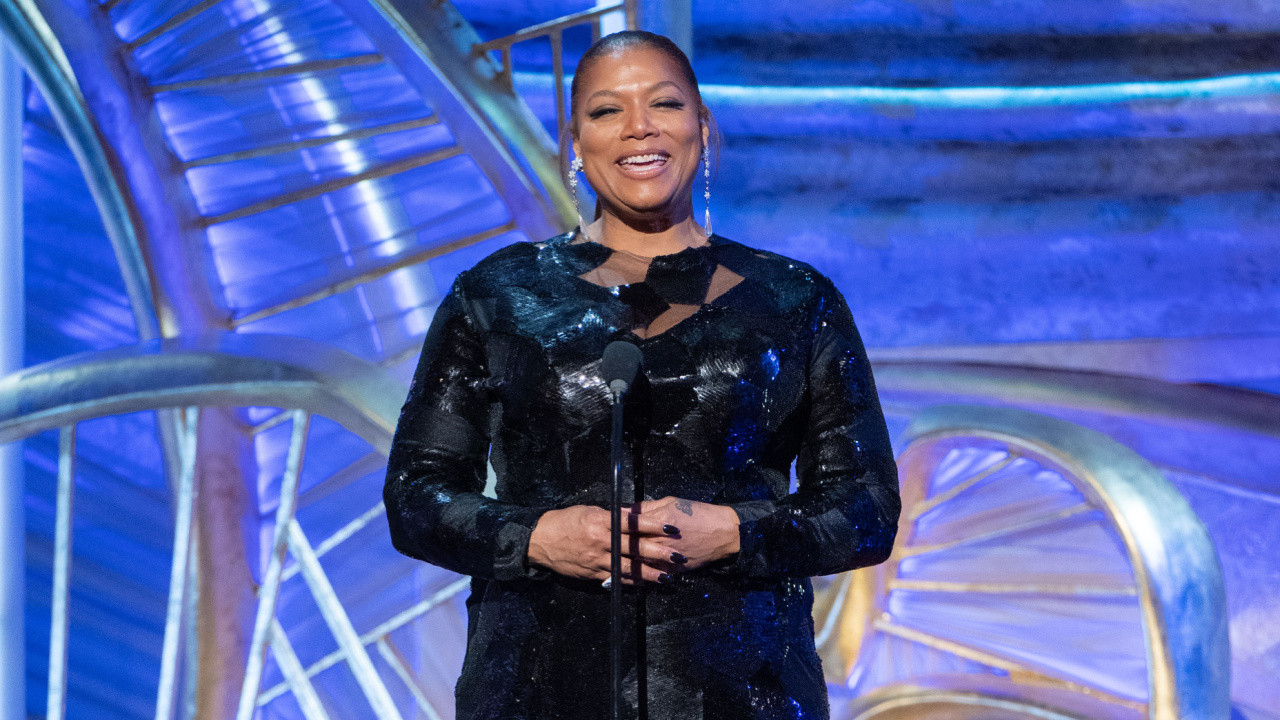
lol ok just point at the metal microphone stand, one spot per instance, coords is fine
(615, 555)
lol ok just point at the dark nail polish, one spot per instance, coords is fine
(665, 579)
(678, 559)
(671, 529)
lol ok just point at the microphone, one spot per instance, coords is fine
(619, 365)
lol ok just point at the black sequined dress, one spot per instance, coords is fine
(751, 362)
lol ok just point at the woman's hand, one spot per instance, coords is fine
(705, 533)
(575, 542)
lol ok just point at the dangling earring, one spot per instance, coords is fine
(706, 174)
(574, 168)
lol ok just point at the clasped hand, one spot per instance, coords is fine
(660, 538)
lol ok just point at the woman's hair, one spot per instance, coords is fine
(619, 42)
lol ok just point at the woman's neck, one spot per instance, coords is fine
(651, 241)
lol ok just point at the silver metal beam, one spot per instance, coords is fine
(335, 616)
(166, 694)
(314, 191)
(269, 592)
(295, 145)
(398, 621)
(311, 67)
(397, 263)
(392, 655)
(431, 44)
(303, 691)
(56, 705)
(35, 42)
(12, 310)
(342, 535)
(227, 370)
(171, 24)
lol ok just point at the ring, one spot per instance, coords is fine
(608, 583)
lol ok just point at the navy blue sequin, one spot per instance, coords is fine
(763, 366)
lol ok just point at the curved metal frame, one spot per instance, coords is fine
(223, 369)
(431, 44)
(1119, 395)
(1176, 569)
(26, 28)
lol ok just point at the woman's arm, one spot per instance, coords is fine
(844, 513)
(437, 469)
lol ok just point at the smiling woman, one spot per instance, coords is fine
(751, 362)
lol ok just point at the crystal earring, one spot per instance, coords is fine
(706, 174)
(574, 168)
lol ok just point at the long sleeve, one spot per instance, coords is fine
(437, 469)
(844, 514)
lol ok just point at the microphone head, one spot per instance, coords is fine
(619, 366)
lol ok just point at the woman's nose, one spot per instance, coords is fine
(639, 126)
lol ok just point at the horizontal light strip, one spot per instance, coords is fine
(370, 275)
(171, 23)
(971, 98)
(293, 145)
(994, 98)
(386, 628)
(1013, 588)
(314, 191)
(313, 66)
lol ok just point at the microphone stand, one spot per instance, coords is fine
(615, 555)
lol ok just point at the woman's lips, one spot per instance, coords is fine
(643, 166)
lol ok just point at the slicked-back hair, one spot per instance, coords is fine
(620, 42)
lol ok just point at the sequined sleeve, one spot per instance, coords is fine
(844, 514)
(436, 472)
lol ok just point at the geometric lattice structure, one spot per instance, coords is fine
(344, 616)
(1039, 566)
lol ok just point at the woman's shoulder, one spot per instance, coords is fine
(512, 265)
(793, 282)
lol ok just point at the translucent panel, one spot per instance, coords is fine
(330, 448)
(230, 186)
(210, 121)
(282, 253)
(121, 551)
(74, 292)
(962, 463)
(347, 320)
(1095, 640)
(1079, 550)
(1016, 494)
(134, 18)
(886, 659)
(248, 35)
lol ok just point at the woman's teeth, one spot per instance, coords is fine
(643, 159)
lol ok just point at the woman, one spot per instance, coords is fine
(751, 361)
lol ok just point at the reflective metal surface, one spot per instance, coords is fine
(221, 369)
(1069, 563)
(29, 34)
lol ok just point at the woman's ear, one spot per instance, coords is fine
(706, 133)
(577, 151)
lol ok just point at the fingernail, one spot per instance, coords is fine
(671, 529)
(678, 559)
(665, 578)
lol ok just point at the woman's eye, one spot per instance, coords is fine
(601, 112)
(675, 104)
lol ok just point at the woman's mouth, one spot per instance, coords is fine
(643, 165)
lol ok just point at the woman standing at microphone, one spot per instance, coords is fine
(751, 362)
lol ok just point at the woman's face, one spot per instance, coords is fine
(639, 135)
